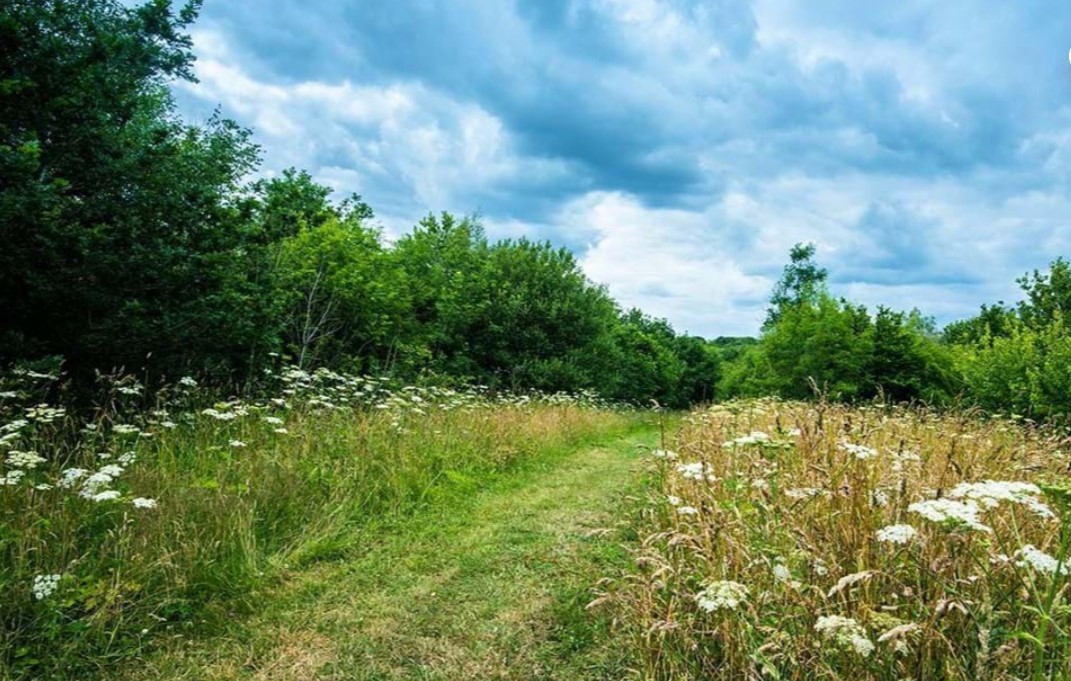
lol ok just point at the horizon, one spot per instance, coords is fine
(679, 149)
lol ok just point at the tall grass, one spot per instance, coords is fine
(799, 541)
(160, 511)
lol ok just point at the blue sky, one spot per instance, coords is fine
(681, 147)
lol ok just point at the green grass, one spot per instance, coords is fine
(489, 585)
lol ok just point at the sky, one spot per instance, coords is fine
(680, 148)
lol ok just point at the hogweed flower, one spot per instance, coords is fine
(950, 511)
(845, 632)
(990, 493)
(1033, 557)
(143, 502)
(897, 534)
(44, 586)
(722, 595)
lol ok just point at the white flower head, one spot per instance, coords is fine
(990, 493)
(861, 452)
(664, 454)
(1033, 557)
(44, 586)
(722, 595)
(687, 510)
(845, 632)
(950, 511)
(897, 534)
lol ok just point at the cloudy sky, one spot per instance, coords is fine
(681, 147)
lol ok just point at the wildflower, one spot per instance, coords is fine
(106, 495)
(990, 493)
(71, 476)
(237, 444)
(143, 502)
(127, 458)
(281, 431)
(696, 471)
(897, 534)
(44, 586)
(274, 420)
(794, 432)
(664, 454)
(1030, 556)
(846, 632)
(688, 510)
(755, 437)
(782, 574)
(188, 382)
(721, 595)
(951, 512)
(169, 424)
(24, 459)
(673, 501)
(12, 477)
(805, 492)
(861, 452)
(8, 395)
(125, 429)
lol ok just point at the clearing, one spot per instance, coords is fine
(490, 586)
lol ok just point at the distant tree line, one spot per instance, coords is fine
(1006, 359)
(131, 239)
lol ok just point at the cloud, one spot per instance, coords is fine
(680, 147)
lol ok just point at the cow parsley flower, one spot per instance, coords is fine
(672, 500)
(845, 632)
(990, 493)
(237, 444)
(187, 382)
(696, 471)
(125, 429)
(664, 454)
(950, 511)
(106, 495)
(71, 476)
(143, 502)
(897, 534)
(24, 459)
(12, 477)
(861, 452)
(755, 437)
(44, 586)
(722, 595)
(1031, 556)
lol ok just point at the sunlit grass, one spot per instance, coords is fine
(146, 517)
(792, 541)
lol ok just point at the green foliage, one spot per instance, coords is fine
(802, 283)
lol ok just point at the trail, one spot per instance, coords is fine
(490, 587)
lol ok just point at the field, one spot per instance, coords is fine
(167, 516)
(789, 541)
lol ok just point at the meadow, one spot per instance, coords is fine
(791, 540)
(165, 513)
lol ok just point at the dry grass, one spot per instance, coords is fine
(792, 511)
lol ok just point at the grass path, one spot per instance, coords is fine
(492, 586)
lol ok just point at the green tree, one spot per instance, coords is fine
(802, 282)
(124, 231)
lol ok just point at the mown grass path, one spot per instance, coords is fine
(491, 586)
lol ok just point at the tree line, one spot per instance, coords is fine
(132, 239)
(1006, 359)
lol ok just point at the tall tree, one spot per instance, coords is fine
(802, 282)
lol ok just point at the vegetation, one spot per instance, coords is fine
(139, 520)
(790, 540)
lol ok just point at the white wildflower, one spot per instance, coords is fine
(990, 493)
(1031, 556)
(755, 437)
(44, 586)
(127, 458)
(664, 454)
(782, 574)
(673, 501)
(687, 510)
(846, 632)
(188, 382)
(861, 452)
(143, 502)
(12, 477)
(950, 511)
(71, 476)
(237, 444)
(125, 429)
(274, 420)
(805, 492)
(281, 431)
(722, 595)
(696, 471)
(24, 459)
(106, 495)
(897, 534)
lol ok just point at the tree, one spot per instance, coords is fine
(802, 282)
(124, 231)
